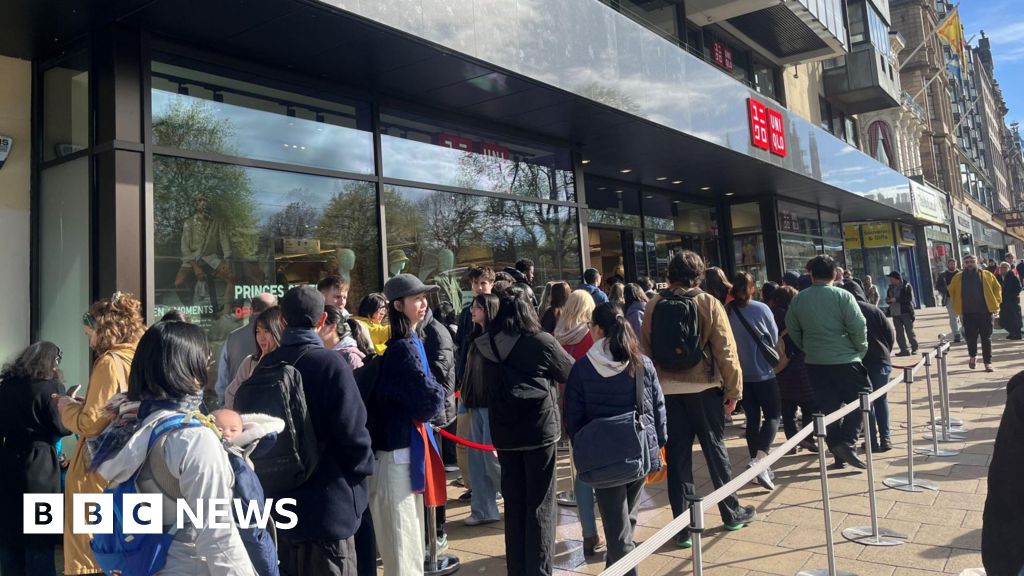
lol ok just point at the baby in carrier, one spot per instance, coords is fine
(244, 435)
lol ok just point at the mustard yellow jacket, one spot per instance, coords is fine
(989, 285)
(379, 333)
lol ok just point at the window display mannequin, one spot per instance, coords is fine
(396, 262)
(451, 292)
(346, 262)
(205, 255)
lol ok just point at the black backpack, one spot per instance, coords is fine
(276, 390)
(675, 331)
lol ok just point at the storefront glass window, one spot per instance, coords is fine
(797, 251)
(417, 151)
(661, 212)
(66, 108)
(830, 226)
(437, 235)
(748, 242)
(798, 219)
(613, 204)
(206, 113)
(225, 233)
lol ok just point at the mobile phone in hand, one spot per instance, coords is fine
(73, 391)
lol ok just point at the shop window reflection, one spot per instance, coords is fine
(224, 234)
(748, 242)
(438, 235)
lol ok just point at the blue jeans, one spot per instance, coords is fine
(879, 376)
(484, 470)
(585, 506)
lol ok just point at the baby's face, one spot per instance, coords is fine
(229, 422)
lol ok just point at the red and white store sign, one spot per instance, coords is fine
(721, 55)
(454, 142)
(767, 129)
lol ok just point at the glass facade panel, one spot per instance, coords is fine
(225, 233)
(797, 251)
(66, 108)
(798, 219)
(830, 226)
(661, 212)
(437, 235)
(613, 204)
(202, 112)
(422, 152)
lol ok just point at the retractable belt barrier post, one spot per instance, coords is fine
(830, 550)
(568, 497)
(908, 483)
(934, 450)
(697, 534)
(872, 535)
(437, 564)
(953, 422)
(947, 433)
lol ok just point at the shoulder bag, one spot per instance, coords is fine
(771, 355)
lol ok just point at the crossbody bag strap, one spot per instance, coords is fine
(639, 370)
(761, 345)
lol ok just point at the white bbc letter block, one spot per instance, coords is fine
(93, 514)
(143, 513)
(43, 514)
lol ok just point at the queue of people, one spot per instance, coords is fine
(364, 447)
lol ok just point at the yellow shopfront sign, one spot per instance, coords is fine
(877, 234)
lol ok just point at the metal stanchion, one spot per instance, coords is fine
(948, 433)
(696, 533)
(819, 431)
(908, 483)
(934, 450)
(942, 349)
(871, 535)
(568, 497)
(437, 564)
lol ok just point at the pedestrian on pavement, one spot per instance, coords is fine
(559, 296)
(405, 399)
(636, 300)
(717, 284)
(942, 285)
(522, 274)
(1009, 309)
(591, 281)
(992, 267)
(791, 279)
(871, 291)
(826, 323)
(373, 314)
(481, 281)
(699, 395)
(484, 470)
(1020, 268)
(113, 326)
(795, 389)
(30, 428)
(617, 294)
(267, 334)
(648, 287)
(754, 329)
(878, 363)
(525, 428)
(901, 302)
(335, 291)
(603, 384)
(976, 295)
(332, 500)
(767, 290)
(336, 335)
(1001, 552)
(239, 345)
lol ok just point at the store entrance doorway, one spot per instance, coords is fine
(613, 253)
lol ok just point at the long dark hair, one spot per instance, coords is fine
(490, 303)
(40, 361)
(269, 320)
(634, 293)
(370, 303)
(361, 336)
(515, 314)
(170, 362)
(621, 340)
(740, 290)
(716, 284)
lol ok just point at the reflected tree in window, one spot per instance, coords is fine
(349, 225)
(297, 220)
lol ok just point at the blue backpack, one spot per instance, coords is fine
(136, 554)
(146, 554)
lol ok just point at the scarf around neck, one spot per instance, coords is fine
(128, 416)
(568, 336)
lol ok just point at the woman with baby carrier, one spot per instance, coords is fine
(186, 459)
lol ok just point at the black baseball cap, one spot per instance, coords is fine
(404, 285)
(302, 307)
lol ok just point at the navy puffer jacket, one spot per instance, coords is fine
(589, 395)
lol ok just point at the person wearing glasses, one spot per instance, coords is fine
(30, 429)
(372, 313)
(113, 326)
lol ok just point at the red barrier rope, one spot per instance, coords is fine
(464, 442)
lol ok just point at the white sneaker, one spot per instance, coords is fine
(764, 479)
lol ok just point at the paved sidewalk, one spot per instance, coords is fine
(943, 528)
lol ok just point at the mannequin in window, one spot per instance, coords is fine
(396, 262)
(450, 289)
(346, 262)
(205, 256)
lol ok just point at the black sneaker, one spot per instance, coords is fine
(885, 445)
(904, 353)
(846, 454)
(744, 516)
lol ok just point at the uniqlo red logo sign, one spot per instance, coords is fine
(454, 142)
(767, 130)
(721, 55)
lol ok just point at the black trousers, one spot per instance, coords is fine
(976, 325)
(619, 506)
(528, 485)
(700, 416)
(320, 557)
(1010, 319)
(365, 542)
(789, 407)
(763, 408)
(835, 385)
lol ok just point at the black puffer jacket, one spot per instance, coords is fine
(437, 340)
(589, 395)
(523, 403)
(1001, 550)
(522, 282)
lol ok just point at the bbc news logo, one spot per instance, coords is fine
(144, 514)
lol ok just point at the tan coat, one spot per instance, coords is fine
(716, 332)
(109, 376)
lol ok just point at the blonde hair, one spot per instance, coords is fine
(118, 320)
(577, 310)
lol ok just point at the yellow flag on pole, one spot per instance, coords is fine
(951, 32)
